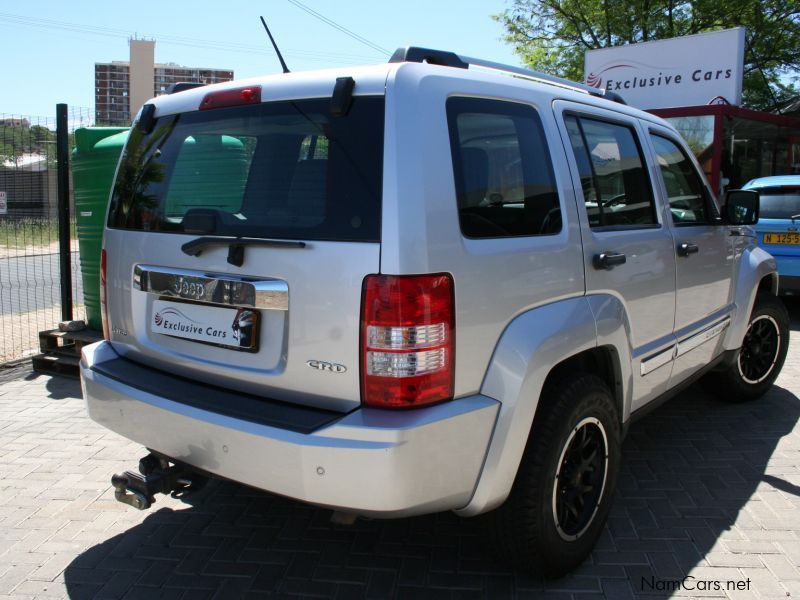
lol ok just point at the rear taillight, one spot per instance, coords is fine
(103, 295)
(407, 345)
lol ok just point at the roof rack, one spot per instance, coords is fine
(182, 86)
(451, 59)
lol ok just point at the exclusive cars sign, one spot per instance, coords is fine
(685, 71)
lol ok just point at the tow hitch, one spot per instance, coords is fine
(156, 476)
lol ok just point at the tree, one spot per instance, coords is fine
(39, 136)
(19, 139)
(11, 143)
(8, 154)
(553, 35)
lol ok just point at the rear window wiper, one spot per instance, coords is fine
(236, 246)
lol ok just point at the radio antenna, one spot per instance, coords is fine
(274, 45)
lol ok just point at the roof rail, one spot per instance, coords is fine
(450, 59)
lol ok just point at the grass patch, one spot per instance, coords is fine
(21, 233)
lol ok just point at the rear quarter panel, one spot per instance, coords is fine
(495, 279)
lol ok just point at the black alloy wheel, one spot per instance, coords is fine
(760, 358)
(760, 349)
(580, 478)
(564, 487)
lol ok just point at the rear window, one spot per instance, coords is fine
(275, 170)
(779, 203)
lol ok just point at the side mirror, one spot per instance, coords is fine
(741, 207)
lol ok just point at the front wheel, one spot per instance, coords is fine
(761, 357)
(563, 489)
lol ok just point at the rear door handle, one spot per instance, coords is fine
(608, 260)
(686, 249)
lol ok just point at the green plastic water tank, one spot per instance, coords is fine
(210, 172)
(94, 160)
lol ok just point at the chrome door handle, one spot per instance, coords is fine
(608, 260)
(685, 249)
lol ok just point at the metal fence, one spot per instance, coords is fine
(30, 273)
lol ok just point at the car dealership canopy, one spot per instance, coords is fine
(695, 82)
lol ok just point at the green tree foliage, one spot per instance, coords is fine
(19, 139)
(553, 35)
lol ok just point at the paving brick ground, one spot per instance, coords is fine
(708, 490)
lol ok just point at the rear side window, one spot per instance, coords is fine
(503, 173)
(274, 170)
(779, 203)
(616, 189)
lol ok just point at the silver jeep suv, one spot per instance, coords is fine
(433, 284)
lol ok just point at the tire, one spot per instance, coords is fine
(760, 359)
(547, 528)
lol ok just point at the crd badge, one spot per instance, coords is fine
(321, 365)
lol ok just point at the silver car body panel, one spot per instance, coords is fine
(704, 279)
(706, 308)
(496, 279)
(373, 462)
(316, 327)
(286, 86)
(645, 284)
(525, 354)
(322, 327)
(753, 265)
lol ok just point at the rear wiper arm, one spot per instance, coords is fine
(235, 245)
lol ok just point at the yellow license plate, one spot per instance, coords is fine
(788, 239)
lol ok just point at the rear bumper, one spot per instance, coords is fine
(369, 461)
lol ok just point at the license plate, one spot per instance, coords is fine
(787, 239)
(228, 327)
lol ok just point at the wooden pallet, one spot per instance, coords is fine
(61, 351)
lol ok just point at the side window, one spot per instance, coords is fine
(685, 189)
(503, 173)
(616, 189)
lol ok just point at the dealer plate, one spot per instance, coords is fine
(783, 239)
(222, 326)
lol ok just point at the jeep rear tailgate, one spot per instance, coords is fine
(237, 242)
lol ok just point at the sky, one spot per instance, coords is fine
(48, 48)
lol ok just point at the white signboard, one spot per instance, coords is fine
(685, 71)
(3, 204)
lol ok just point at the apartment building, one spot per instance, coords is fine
(121, 87)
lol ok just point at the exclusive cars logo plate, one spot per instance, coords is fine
(321, 365)
(235, 328)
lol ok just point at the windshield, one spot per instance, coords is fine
(779, 203)
(273, 170)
